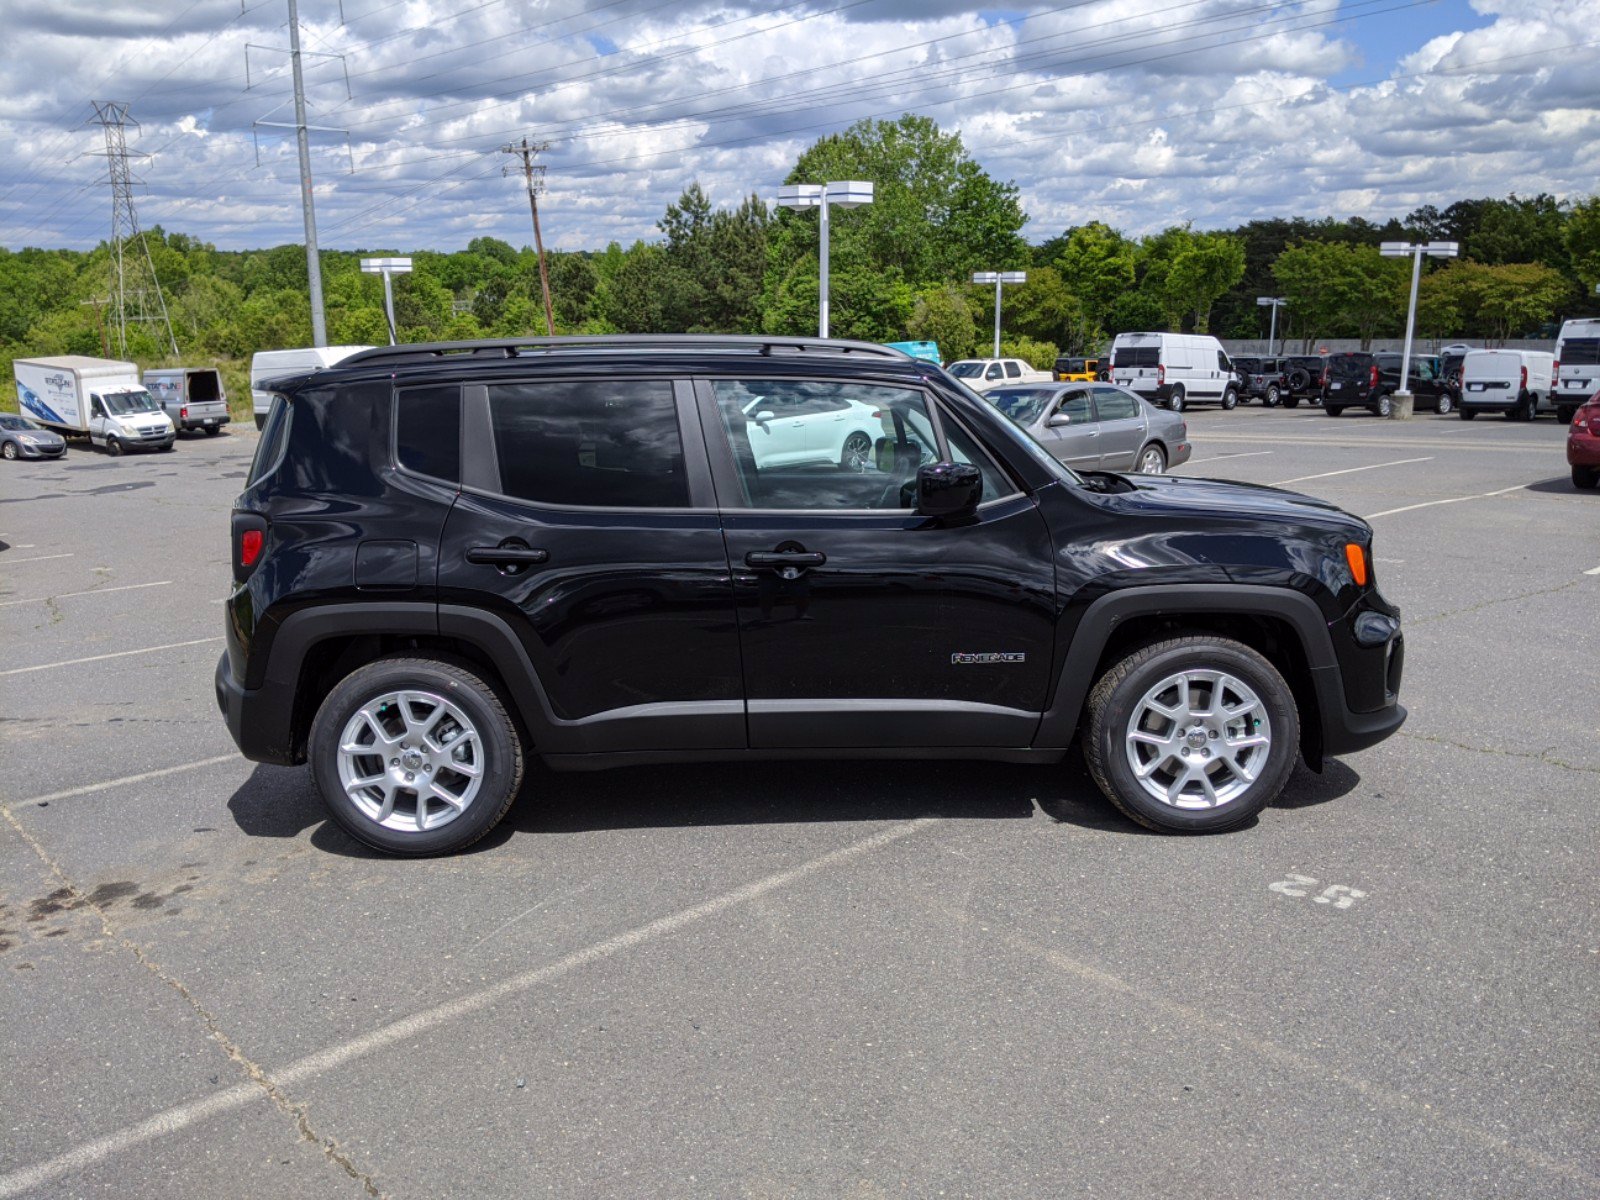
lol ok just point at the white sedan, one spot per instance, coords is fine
(798, 429)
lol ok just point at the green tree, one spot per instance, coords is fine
(1097, 265)
(941, 315)
(1581, 237)
(1201, 271)
(1509, 299)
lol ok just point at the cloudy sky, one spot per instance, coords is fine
(1140, 113)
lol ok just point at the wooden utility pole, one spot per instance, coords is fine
(535, 177)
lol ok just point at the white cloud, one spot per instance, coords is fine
(1137, 112)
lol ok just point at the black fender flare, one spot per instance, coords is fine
(1094, 629)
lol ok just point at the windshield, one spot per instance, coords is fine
(7, 421)
(966, 370)
(1022, 405)
(123, 404)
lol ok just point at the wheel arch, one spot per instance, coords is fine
(1284, 626)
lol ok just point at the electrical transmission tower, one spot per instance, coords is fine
(534, 174)
(135, 290)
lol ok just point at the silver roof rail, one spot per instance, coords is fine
(507, 348)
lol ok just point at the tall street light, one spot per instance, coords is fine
(851, 193)
(387, 267)
(1274, 303)
(999, 279)
(1418, 251)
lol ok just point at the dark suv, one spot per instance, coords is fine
(1299, 378)
(1430, 386)
(1257, 377)
(615, 551)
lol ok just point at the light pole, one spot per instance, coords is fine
(387, 267)
(999, 279)
(1274, 303)
(851, 193)
(1418, 251)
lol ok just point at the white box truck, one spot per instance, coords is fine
(1577, 366)
(192, 396)
(98, 398)
(1517, 383)
(267, 365)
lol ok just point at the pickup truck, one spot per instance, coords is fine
(192, 396)
(981, 374)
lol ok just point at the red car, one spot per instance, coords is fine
(1583, 444)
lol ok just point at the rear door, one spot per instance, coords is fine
(1121, 423)
(587, 525)
(863, 624)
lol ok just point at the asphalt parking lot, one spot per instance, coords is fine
(853, 980)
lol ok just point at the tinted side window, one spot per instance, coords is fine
(1222, 361)
(964, 449)
(993, 372)
(1135, 356)
(274, 436)
(428, 431)
(1013, 370)
(591, 444)
(1114, 404)
(1075, 404)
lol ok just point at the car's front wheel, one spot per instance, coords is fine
(415, 755)
(9, 449)
(1194, 734)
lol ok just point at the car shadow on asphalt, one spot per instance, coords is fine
(279, 802)
(1560, 485)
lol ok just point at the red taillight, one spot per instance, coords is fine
(1524, 384)
(250, 542)
(1555, 371)
(184, 412)
(1161, 374)
(1580, 419)
(1374, 379)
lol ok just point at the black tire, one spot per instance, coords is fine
(856, 452)
(1272, 396)
(1565, 413)
(1467, 413)
(1530, 407)
(1385, 405)
(1298, 379)
(1175, 401)
(1230, 398)
(1292, 402)
(1442, 403)
(1151, 460)
(114, 447)
(463, 687)
(261, 421)
(1586, 477)
(1112, 708)
(167, 449)
(1333, 410)
(9, 450)
(213, 430)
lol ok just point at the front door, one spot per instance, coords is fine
(592, 534)
(1076, 441)
(861, 623)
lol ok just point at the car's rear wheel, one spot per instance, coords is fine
(213, 430)
(1333, 410)
(1272, 397)
(1193, 734)
(1443, 405)
(1385, 405)
(1586, 477)
(856, 453)
(415, 755)
(1175, 401)
(1467, 413)
(1292, 402)
(1152, 461)
(1565, 413)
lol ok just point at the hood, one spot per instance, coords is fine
(1225, 499)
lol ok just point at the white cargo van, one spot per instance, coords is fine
(191, 396)
(1514, 382)
(100, 398)
(1577, 366)
(279, 364)
(1174, 369)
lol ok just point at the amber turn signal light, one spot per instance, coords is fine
(1357, 558)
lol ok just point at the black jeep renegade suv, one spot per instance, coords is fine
(645, 550)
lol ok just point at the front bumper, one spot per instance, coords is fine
(27, 451)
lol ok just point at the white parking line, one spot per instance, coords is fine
(1389, 512)
(126, 587)
(1399, 462)
(1593, 571)
(72, 662)
(1220, 457)
(89, 788)
(8, 561)
(407, 1028)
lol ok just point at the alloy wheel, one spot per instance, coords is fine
(411, 761)
(1198, 739)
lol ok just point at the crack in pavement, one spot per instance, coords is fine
(1544, 756)
(1472, 608)
(297, 1111)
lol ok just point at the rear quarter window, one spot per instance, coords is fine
(428, 431)
(270, 447)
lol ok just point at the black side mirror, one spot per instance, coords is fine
(948, 489)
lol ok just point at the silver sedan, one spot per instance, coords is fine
(21, 438)
(1097, 427)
